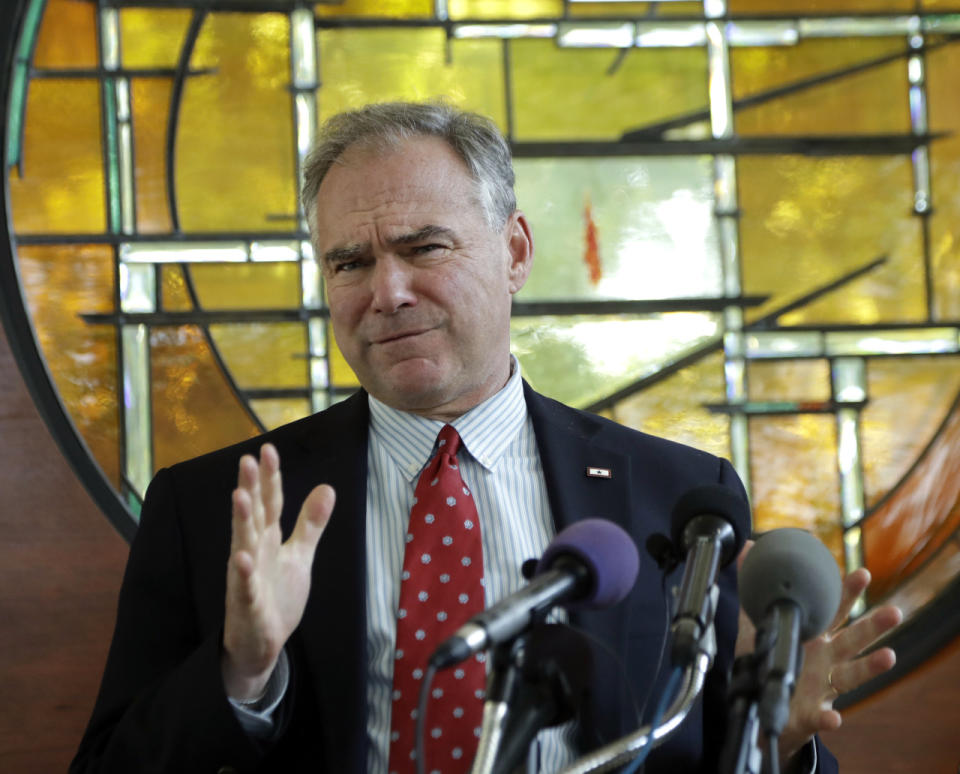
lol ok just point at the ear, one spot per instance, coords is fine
(520, 249)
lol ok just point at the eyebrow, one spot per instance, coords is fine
(354, 251)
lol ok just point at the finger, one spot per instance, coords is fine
(853, 586)
(243, 535)
(829, 720)
(271, 485)
(248, 480)
(312, 520)
(743, 553)
(853, 639)
(850, 676)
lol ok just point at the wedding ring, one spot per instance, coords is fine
(830, 682)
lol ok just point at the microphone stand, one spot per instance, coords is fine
(502, 686)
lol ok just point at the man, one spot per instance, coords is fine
(413, 218)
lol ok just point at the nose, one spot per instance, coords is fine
(391, 285)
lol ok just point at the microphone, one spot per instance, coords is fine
(592, 563)
(790, 588)
(708, 526)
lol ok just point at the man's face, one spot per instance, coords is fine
(419, 285)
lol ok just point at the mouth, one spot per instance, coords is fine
(389, 338)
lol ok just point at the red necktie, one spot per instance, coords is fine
(441, 587)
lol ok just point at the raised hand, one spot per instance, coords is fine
(267, 580)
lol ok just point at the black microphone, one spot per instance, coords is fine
(709, 525)
(790, 588)
(592, 563)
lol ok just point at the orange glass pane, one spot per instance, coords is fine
(235, 144)
(870, 102)
(571, 93)
(194, 409)
(921, 588)
(944, 111)
(673, 408)
(173, 289)
(818, 6)
(62, 189)
(60, 283)
(911, 525)
(825, 218)
(263, 355)
(789, 380)
(150, 99)
(341, 375)
(397, 9)
(909, 400)
(504, 9)
(247, 285)
(68, 36)
(371, 65)
(795, 479)
(152, 37)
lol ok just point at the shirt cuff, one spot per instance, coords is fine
(256, 718)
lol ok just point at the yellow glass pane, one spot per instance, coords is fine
(755, 69)
(397, 9)
(341, 375)
(60, 283)
(673, 408)
(504, 9)
(871, 102)
(795, 479)
(824, 218)
(944, 112)
(68, 36)
(235, 145)
(173, 289)
(789, 380)
(274, 412)
(247, 285)
(621, 10)
(372, 65)
(62, 189)
(263, 355)
(818, 6)
(568, 93)
(150, 98)
(152, 37)
(194, 409)
(909, 400)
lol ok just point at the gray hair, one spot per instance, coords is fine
(385, 125)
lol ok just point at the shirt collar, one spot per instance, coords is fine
(485, 430)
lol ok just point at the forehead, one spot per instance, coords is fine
(416, 177)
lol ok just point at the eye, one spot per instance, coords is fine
(428, 248)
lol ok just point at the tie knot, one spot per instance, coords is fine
(448, 441)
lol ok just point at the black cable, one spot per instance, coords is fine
(421, 725)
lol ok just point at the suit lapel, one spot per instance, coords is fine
(572, 443)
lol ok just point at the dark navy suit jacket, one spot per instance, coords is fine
(162, 707)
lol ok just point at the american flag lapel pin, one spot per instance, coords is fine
(599, 472)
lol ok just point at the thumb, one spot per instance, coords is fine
(313, 518)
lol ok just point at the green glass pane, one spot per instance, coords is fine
(944, 111)
(263, 355)
(371, 65)
(580, 360)
(152, 37)
(577, 93)
(61, 283)
(62, 188)
(173, 289)
(67, 36)
(247, 285)
(818, 6)
(674, 407)
(789, 380)
(824, 218)
(194, 409)
(235, 145)
(504, 9)
(795, 479)
(279, 411)
(870, 102)
(909, 400)
(150, 104)
(653, 221)
(341, 375)
(396, 9)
